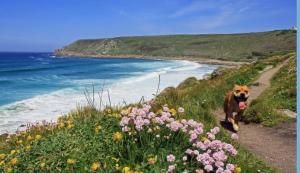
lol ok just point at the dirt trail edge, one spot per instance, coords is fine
(277, 145)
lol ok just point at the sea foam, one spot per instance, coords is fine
(126, 90)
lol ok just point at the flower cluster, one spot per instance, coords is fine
(208, 152)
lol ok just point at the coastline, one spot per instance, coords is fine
(145, 83)
(61, 53)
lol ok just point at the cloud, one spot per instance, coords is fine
(195, 6)
(211, 15)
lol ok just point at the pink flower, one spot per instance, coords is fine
(210, 153)
(211, 136)
(208, 168)
(199, 171)
(125, 129)
(230, 167)
(151, 115)
(170, 158)
(165, 108)
(234, 136)
(171, 168)
(196, 152)
(216, 145)
(226, 171)
(180, 109)
(124, 121)
(220, 170)
(189, 151)
(219, 164)
(175, 126)
(193, 137)
(219, 156)
(201, 146)
(215, 130)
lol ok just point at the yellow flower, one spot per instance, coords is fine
(19, 142)
(1, 163)
(98, 128)
(203, 139)
(69, 122)
(126, 111)
(126, 170)
(13, 152)
(38, 137)
(108, 111)
(70, 126)
(95, 166)
(28, 148)
(237, 169)
(71, 161)
(61, 125)
(14, 161)
(152, 160)
(29, 138)
(117, 136)
(117, 166)
(116, 115)
(159, 111)
(2, 156)
(173, 112)
(8, 170)
(42, 165)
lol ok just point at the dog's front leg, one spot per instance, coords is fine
(233, 121)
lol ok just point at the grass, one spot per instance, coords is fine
(87, 138)
(235, 47)
(281, 95)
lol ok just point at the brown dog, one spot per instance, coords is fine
(235, 104)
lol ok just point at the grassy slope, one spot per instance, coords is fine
(240, 47)
(281, 95)
(83, 144)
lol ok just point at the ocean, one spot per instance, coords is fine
(39, 86)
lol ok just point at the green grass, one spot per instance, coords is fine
(241, 47)
(281, 95)
(75, 136)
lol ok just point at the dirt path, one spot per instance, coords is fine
(276, 145)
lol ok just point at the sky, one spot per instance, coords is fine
(45, 25)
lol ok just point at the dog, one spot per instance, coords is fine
(235, 103)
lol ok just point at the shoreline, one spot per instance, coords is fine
(64, 54)
(118, 99)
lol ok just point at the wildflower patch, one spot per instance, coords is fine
(203, 150)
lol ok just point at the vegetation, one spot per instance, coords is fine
(241, 47)
(281, 95)
(89, 140)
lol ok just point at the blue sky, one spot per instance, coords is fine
(40, 25)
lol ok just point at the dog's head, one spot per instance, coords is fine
(241, 94)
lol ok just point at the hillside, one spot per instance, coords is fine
(89, 140)
(242, 47)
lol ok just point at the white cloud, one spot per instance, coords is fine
(195, 6)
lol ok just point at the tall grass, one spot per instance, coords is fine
(281, 95)
(89, 140)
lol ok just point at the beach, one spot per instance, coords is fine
(53, 86)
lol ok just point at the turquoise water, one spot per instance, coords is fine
(39, 86)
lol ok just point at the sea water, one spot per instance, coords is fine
(39, 86)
